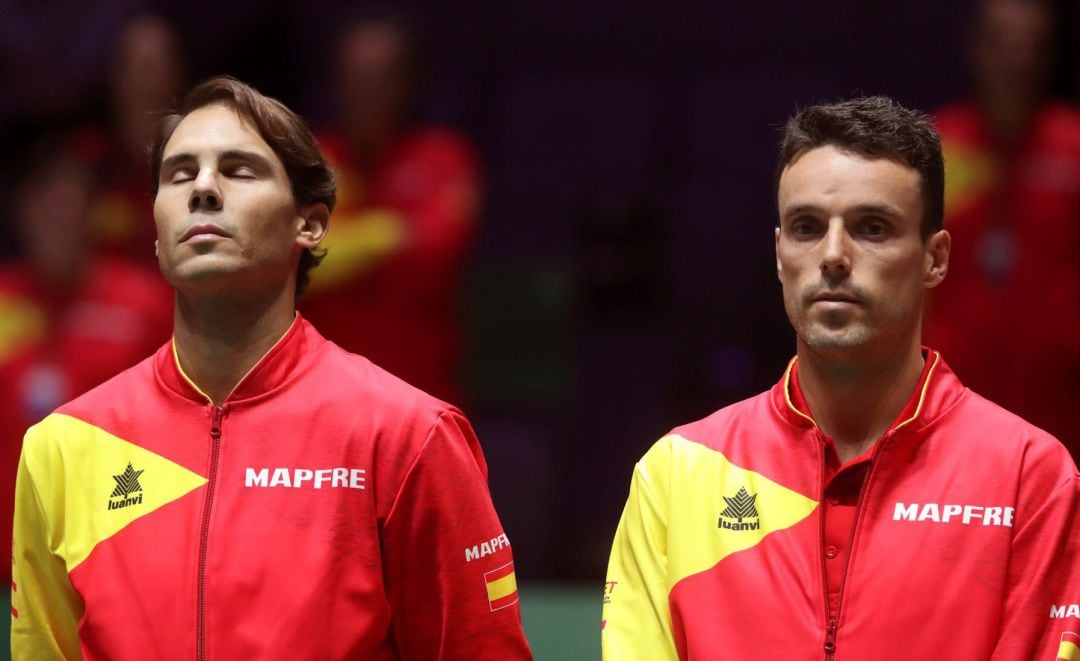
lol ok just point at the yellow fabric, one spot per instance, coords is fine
(45, 608)
(968, 173)
(501, 587)
(1068, 651)
(669, 531)
(69, 473)
(355, 245)
(21, 323)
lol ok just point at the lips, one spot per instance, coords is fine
(835, 297)
(203, 228)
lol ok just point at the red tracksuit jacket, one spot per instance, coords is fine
(326, 510)
(964, 543)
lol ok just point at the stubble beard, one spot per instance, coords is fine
(832, 341)
(833, 333)
(854, 336)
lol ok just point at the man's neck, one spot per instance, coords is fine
(855, 401)
(219, 339)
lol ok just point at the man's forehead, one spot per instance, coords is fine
(829, 175)
(216, 128)
(833, 166)
(839, 153)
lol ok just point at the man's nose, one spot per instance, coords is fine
(836, 252)
(205, 193)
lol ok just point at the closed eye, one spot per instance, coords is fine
(241, 172)
(180, 175)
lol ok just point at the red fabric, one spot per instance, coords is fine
(843, 484)
(915, 589)
(54, 347)
(399, 306)
(382, 572)
(1008, 314)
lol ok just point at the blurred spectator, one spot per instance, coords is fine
(408, 195)
(51, 53)
(68, 320)
(146, 73)
(1008, 316)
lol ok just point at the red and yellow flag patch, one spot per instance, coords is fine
(501, 587)
(1069, 650)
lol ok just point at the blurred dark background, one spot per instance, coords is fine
(620, 276)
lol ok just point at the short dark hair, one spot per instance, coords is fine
(878, 127)
(288, 135)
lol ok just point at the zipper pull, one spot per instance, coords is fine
(215, 424)
(830, 639)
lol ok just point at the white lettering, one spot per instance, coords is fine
(341, 478)
(256, 479)
(1064, 611)
(281, 478)
(296, 478)
(949, 513)
(905, 512)
(486, 548)
(930, 512)
(969, 513)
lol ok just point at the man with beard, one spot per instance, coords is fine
(868, 505)
(252, 490)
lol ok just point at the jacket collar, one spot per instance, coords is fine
(937, 390)
(271, 371)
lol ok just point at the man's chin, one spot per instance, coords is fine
(828, 341)
(205, 274)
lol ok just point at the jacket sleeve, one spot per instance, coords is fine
(1041, 617)
(636, 621)
(449, 570)
(45, 610)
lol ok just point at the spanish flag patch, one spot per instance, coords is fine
(501, 587)
(1069, 650)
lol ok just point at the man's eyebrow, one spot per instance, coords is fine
(175, 160)
(861, 209)
(878, 210)
(254, 158)
(800, 209)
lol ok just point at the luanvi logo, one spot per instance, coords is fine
(128, 491)
(740, 508)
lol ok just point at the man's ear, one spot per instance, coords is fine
(312, 224)
(937, 258)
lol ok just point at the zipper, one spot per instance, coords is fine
(200, 621)
(830, 640)
(830, 630)
(834, 622)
